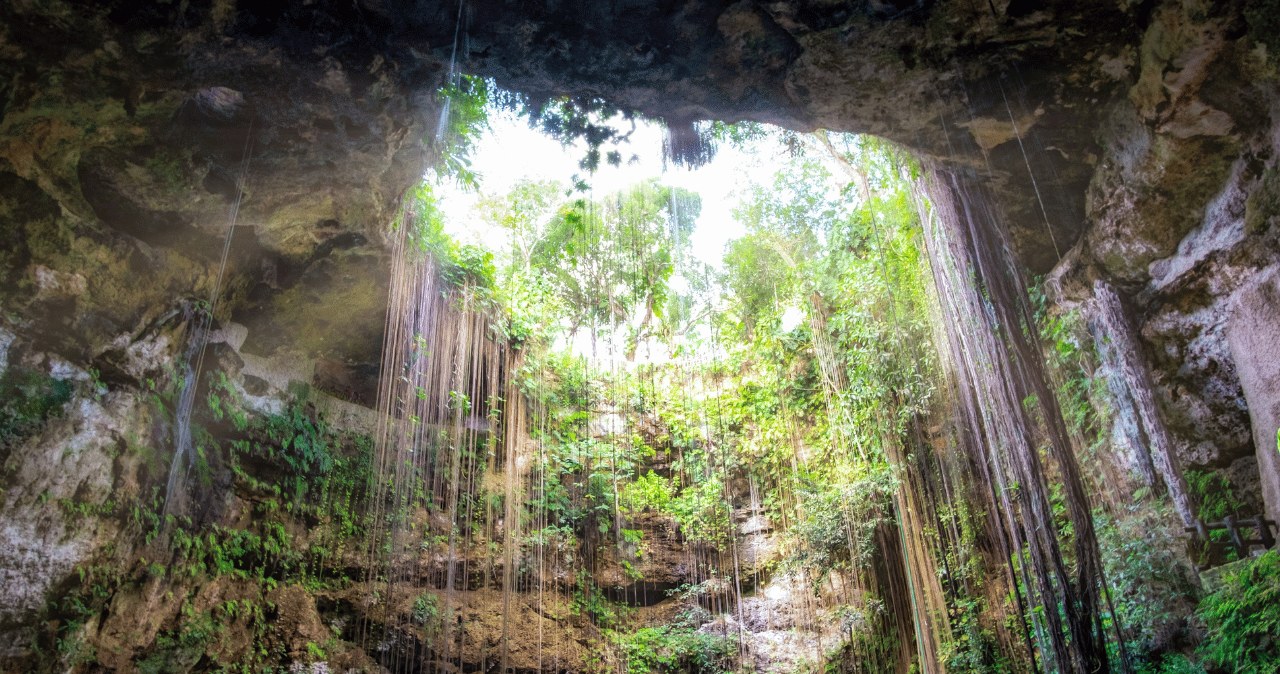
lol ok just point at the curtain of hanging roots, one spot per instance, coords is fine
(1012, 409)
(456, 463)
(443, 512)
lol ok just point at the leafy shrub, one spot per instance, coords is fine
(300, 439)
(667, 648)
(27, 400)
(703, 514)
(839, 520)
(590, 601)
(458, 264)
(1152, 586)
(180, 650)
(649, 492)
(240, 553)
(1243, 619)
(973, 646)
(1215, 500)
(426, 609)
(465, 117)
(1175, 663)
(1213, 494)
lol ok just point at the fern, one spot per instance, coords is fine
(1243, 619)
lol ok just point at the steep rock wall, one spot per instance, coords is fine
(1181, 221)
(1254, 335)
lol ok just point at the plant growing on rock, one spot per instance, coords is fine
(672, 649)
(1242, 618)
(426, 609)
(28, 399)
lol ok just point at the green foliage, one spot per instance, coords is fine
(28, 399)
(180, 650)
(297, 466)
(458, 264)
(675, 649)
(810, 411)
(577, 492)
(648, 492)
(297, 461)
(588, 600)
(611, 260)
(525, 213)
(1242, 618)
(1213, 495)
(975, 649)
(426, 609)
(214, 640)
(799, 208)
(851, 268)
(97, 583)
(465, 115)
(1214, 499)
(299, 440)
(871, 639)
(588, 119)
(266, 551)
(1153, 587)
(761, 276)
(839, 520)
(528, 296)
(741, 134)
(1174, 663)
(703, 512)
(293, 471)
(1071, 362)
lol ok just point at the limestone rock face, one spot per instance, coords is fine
(140, 123)
(1172, 226)
(137, 139)
(1254, 334)
(53, 487)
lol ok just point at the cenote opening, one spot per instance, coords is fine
(703, 338)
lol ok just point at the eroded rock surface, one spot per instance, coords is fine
(1254, 335)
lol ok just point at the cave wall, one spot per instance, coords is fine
(129, 135)
(1131, 142)
(1180, 219)
(1254, 333)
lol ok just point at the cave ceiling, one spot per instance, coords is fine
(134, 122)
(341, 92)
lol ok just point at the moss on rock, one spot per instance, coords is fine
(1263, 204)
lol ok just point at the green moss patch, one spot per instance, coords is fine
(1263, 202)
(28, 399)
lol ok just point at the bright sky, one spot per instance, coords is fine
(512, 151)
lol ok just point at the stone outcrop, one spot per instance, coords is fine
(1254, 335)
(53, 494)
